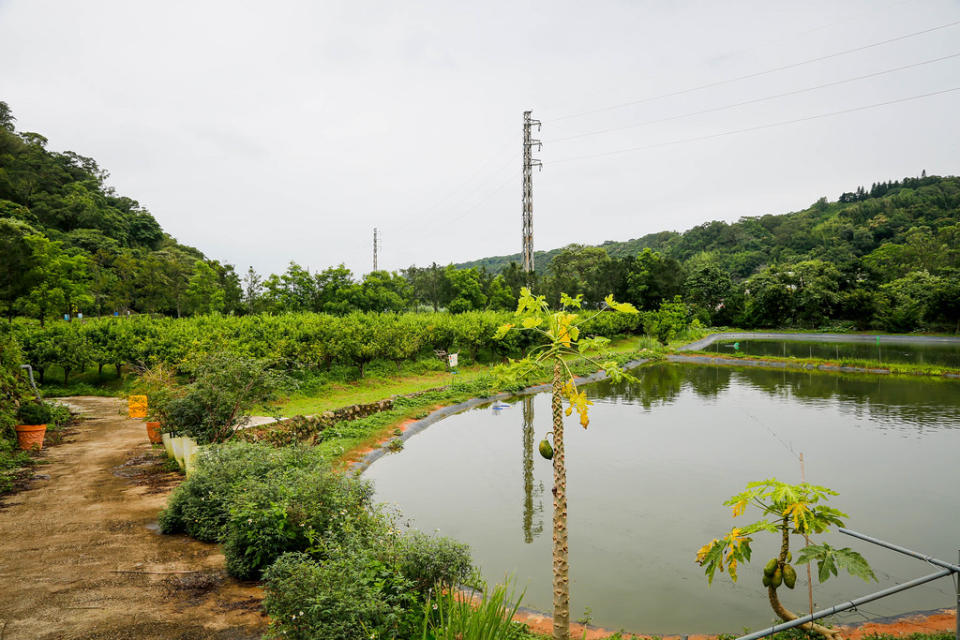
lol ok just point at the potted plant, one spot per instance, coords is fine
(158, 386)
(32, 418)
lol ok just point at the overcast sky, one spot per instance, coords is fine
(264, 132)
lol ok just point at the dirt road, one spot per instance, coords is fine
(80, 557)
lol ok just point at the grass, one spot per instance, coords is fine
(347, 440)
(893, 367)
(85, 383)
(325, 392)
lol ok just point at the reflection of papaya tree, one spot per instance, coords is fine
(558, 334)
(530, 531)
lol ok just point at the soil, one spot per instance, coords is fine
(81, 556)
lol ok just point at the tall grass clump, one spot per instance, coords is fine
(451, 615)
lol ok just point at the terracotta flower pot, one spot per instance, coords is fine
(30, 436)
(153, 432)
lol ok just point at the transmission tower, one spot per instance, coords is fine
(529, 162)
(375, 245)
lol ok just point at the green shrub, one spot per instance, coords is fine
(200, 506)
(353, 595)
(428, 561)
(59, 415)
(224, 390)
(34, 413)
(295, 510)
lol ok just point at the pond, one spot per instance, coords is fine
(647, 480)
(889, 351)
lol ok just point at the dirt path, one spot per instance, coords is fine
(80, 558)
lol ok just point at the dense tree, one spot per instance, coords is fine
(204, 293)
(651, 278)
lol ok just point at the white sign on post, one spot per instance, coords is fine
(453, 360)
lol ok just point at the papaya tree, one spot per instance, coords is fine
(557, 342)
(787, 509)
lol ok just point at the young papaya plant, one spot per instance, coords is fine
(558, 341)
(789, 509)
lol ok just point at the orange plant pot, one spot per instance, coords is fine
(153, 432)
(30, 436)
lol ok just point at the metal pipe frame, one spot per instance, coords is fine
(946, 570)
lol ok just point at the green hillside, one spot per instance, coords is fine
(71, 243)
(841, 231)
(885, 257)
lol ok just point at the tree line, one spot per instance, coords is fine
(290, 340)
(884, 258)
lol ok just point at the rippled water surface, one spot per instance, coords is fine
(647, 479)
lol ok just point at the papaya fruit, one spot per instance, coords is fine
(777, 578)
(789, 576)
(789, 557)
(766, 580)
(546, 450)
(770, 568)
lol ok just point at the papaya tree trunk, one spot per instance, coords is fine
(561, 567)
(785, 614)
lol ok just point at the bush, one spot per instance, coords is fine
(59, 415)
(200, 506)
(296, 510)
(429, 561)
(226, 387)
(353, 595)
(34, 413)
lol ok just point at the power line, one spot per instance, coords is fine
(757, 128)
(512, 178)
(476, 173)
(755, 100)
(756, 74)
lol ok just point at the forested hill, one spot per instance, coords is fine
(69, 242)
(875, 225)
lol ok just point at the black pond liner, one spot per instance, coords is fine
(413, 429)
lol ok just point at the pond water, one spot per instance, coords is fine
(647, 480)
(944, 355)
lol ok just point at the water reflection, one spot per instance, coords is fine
(947, 355)
(891, 402)
(530, 491)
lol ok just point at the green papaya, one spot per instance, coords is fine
(777, 578)
(770, 568)
(789, 576)
(766, 580)
(789, 557)
(546, 450)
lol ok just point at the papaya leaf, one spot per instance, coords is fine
(830, 560)
(567, 301)
(502, 331)
(592, 344)
(623, 307)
